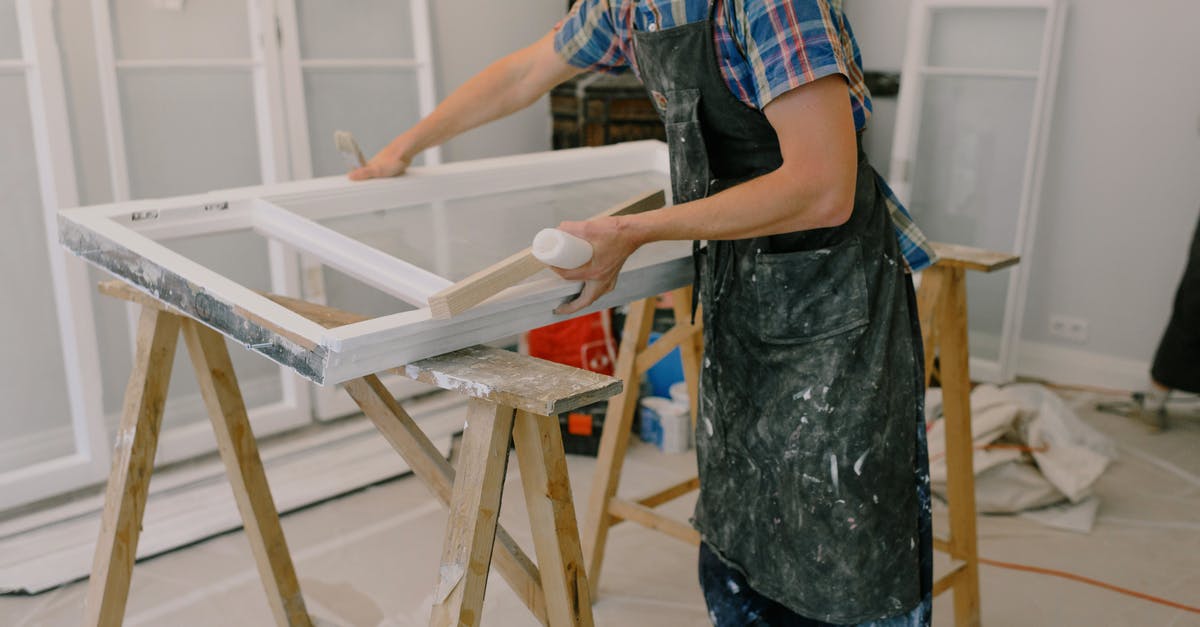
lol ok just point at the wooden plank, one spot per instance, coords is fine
(513, 380)
(474, 509)
(969, 258)
(496, 278)
(238, 450)
(960, 476)
(129, 480)
(651, 519)
(615, 438)
(399, 429)
(547, 488)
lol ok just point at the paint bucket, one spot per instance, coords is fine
(667, 424)
(650, 420)
(679, 394)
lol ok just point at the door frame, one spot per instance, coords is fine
(40, 64)
(904, 148)
(293, 409)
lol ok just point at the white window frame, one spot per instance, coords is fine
(120, 238)
(40, 65)
(293, 408)
(904, 147)
(328, 401)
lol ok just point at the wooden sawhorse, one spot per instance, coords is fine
(502, 405)
(942, 306)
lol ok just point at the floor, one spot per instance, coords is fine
(369, 558)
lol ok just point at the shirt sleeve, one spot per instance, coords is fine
(587, 38)
(789, 43)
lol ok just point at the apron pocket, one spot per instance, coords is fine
(685, 142)
(811, 295)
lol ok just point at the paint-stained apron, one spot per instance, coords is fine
(810, 384)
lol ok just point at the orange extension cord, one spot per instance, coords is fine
(1091, 582)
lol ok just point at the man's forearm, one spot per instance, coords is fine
(506, 86)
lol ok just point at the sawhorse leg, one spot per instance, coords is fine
(474, 510)
(634, 358)
(943, 308)
(129, 481)
(557, 592)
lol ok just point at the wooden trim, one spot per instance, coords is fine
(492, 280)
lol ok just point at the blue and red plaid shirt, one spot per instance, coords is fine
(765, 48)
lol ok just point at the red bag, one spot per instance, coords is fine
(584, 342)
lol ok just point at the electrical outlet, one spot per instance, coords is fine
(1069, 328)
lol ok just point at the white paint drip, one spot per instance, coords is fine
(833, 470)
(859, 463)
(805, 394)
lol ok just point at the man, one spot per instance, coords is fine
(813, 503)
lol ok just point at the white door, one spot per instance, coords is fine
(972, 121)
(375, 85)
(51, 439)
(192, 103)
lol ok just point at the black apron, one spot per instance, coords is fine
(805, 440)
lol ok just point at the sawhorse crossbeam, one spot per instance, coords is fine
(501, 406)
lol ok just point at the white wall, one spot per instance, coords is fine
(1122, 190)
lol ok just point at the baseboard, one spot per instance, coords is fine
(50, 548)
(1074, 366)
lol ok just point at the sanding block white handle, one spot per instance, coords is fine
(561, 249)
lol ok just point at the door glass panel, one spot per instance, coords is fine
(967, 181)
(382, 29)
(35, 425)
(204, 29)
(375, 105)
(456, 248)
(241, 256)
(10, 42)
(996, 39)
(188, 131)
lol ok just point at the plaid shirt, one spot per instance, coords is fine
(765, 48)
